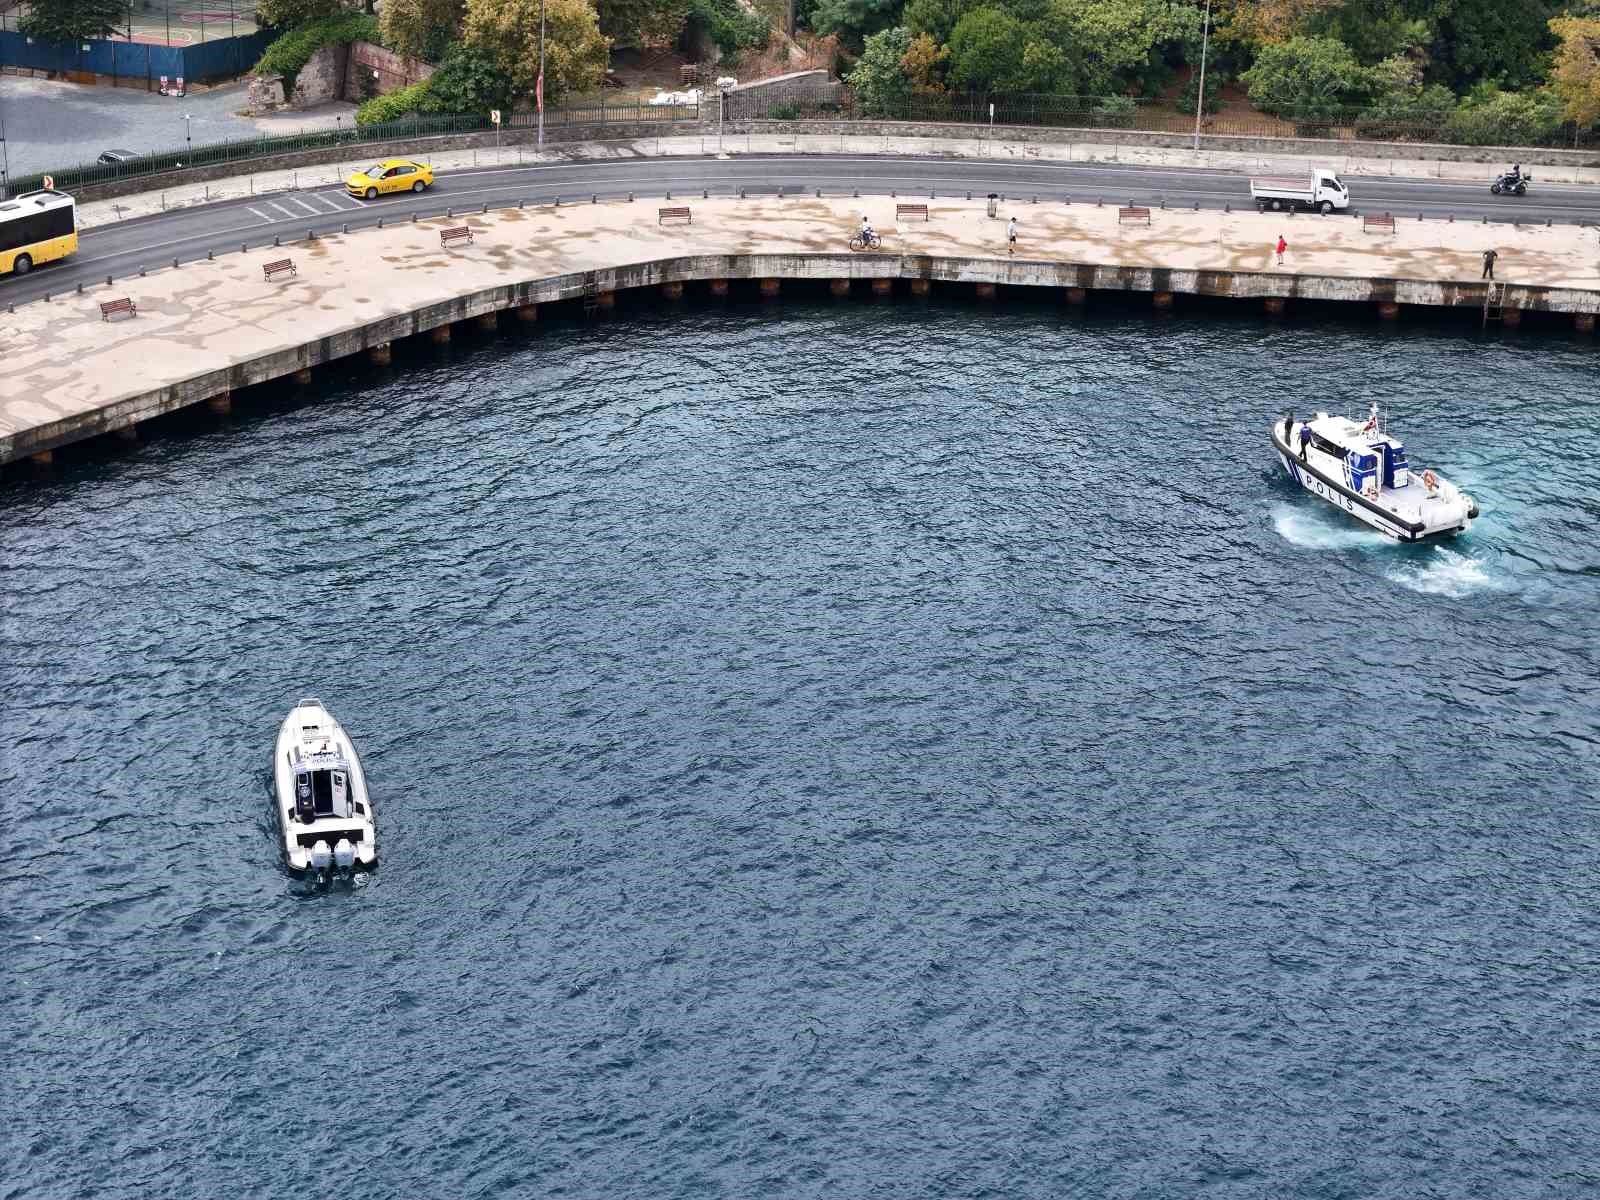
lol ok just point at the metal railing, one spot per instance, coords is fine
(1138, 115)
(245, 150)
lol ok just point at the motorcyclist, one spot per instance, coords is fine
(1514, 176)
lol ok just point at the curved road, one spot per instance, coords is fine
(152, 242)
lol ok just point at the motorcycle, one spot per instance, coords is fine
(1505, 182)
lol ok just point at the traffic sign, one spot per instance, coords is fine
(49, 183)
(494, 116)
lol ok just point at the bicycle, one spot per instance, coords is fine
(868, 242)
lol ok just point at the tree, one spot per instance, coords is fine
(421, 28)
(1575, 74)
(508, 31)
(1494, 118)
(879, 81)
(1269, 21)
(73, 20)
(642, 23)
(936, 18)
(854, 19)
(1479, 41)
(986, 51)
(924, 64)
(287, 14)
(468, 81)
(1111, 45)
(1306, 77)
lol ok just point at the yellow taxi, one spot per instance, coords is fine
(391, 175)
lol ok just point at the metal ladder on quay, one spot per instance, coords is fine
(1493, 302)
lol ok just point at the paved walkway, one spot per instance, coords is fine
(63, 361)
(104, 211)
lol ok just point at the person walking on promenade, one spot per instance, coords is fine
(1011, 236)
(1282, 246)
(1488, 263)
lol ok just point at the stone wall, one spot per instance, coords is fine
(797, 87)
(322, 78)
(374, 71)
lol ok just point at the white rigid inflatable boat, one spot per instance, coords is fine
(320, 793)
(1360, 468)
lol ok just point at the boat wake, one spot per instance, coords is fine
(1311, 531)
(1444, 572)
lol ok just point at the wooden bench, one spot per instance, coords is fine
(911, 210)
(110, 308)
(1375, 221)
(456, 233)
(663, 215)
(1125, 215)
(278, 268)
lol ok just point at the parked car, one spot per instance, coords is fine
(391, 175)
(114, 158)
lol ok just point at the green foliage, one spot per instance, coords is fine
(879, 82)
(936, 18)
(854, 19)
(289, 54)
(1507, 119)
(1306, 77)
(287, 14)
(421, 28)
(395, 105)
(575, 51)
(73, 20)
(642, 23)
(1505, 42)
(729, 26)
(987, 48)
(783, 112)
(468, 81)
(1189, 95)
(1115, 112)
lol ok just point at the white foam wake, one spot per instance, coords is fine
(1311, 530)
(1445, 572)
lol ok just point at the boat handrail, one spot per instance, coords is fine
(310, 702)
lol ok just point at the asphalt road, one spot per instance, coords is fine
(152, 242)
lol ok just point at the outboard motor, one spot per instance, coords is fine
(303, 810)
(321, 856)
(344, 854)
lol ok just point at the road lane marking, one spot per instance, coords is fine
(274, 204)
(315, 212)
(256, 212)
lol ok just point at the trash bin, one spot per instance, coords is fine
(994, 204)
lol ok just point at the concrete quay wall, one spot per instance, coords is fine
(210, 328)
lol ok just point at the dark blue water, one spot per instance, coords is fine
(960, 769)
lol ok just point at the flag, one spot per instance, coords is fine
(538, 92)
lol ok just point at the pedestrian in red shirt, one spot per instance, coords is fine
(1282, 246)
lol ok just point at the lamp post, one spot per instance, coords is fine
(724, 82)
(1200, 101)
(538, 91)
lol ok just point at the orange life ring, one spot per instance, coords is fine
(1430, 480)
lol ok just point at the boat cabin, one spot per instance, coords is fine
(1371, 460)
(321, 785)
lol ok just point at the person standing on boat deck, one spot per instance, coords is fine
(1282, 246)
(1305, 440)
(1488, 263)
(1288, 428)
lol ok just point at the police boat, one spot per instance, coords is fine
(1358, 466)
(320, 792)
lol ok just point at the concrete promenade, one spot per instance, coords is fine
(206, 329)
(102, 212)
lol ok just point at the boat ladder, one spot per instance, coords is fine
(1494, 302)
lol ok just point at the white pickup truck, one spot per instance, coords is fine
(1318, 188)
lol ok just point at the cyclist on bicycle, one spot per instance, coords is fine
(867, 236)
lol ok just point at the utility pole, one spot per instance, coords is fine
(1200, 101)
(538, 90)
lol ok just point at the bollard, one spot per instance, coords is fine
(780, 191)
(1197, 206)
(141, 272)
(174, 264)
(80, 289)
(893, 195)
(413, 221)
(311, 235)
(630, 197)
(1100, 203)
(522, 203)
(705, 193)
(1036, 199)
(244, 247)
(741, 193)
(1419, 216)
(485, 208)
(208, 256)
(594, 197)
(345, 228)
(449, 212)
(669, 195)
(1226, 207)
(855, 193)
(1547, 221)
(1450, 220)
(108, 281)
(969, 195)
(558, 201)
(1485, 220)
(275, 240)
(819, 193)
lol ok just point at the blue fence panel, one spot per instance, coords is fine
(168, 61)
(219, 59)
(224, 57)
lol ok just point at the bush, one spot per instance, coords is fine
(1189, 94)
(729, 26)
(879, 81)
(1306, 77)
(1507, 119)
(288, 55)
(468, 81)
(783, 112)
(1115, 112)
(382, 109)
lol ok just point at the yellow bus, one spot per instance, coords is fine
(36, 227)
